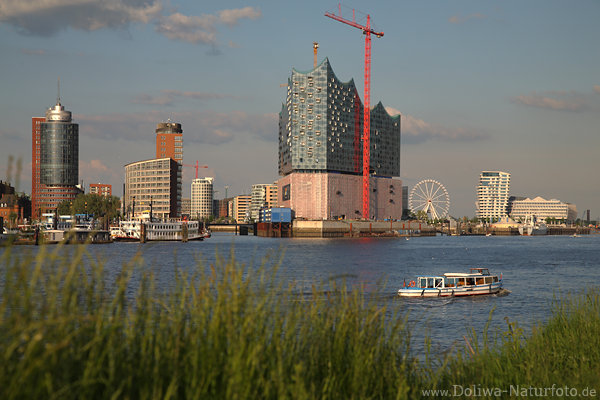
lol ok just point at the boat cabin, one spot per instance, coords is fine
(476, 276)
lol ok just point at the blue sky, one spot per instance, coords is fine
(481, 85)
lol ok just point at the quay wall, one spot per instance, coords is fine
(356, 228)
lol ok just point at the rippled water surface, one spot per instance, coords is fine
(534, 269)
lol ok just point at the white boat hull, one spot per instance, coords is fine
(475, 290)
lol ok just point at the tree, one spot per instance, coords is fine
(92, 204)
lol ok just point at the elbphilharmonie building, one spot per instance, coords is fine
(320, 150)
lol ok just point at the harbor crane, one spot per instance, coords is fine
(195, 166)
(367, 31)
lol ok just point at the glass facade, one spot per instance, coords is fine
(59, 153)
(321, 123)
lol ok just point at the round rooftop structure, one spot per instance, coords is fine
(58, 114)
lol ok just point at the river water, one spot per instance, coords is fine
(535, 269)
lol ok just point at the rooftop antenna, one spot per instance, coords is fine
(58, 92)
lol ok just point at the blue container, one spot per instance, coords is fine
(281, 214)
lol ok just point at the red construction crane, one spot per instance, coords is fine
(367, 31)
(195, 166)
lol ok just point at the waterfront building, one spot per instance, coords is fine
(153, 183)
(101, 189)
(169, 141)
(241, 208)
(405, 209)
(492, 195)
(35, 166)
(186, 206)
(262, 196)
(320, 150)
(221, 207)
(11, 212)
(543, 209)
(202, 198)
(55, 163)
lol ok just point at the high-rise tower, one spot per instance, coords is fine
(492, 194)
(35, 166)
(58, 159)
(321, 150)
(169, 141)
(202, 198)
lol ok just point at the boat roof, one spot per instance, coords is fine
(472, 272)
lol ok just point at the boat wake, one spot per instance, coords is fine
(503, 292)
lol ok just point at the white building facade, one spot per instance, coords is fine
(262, 196)
(492, 194)
(543, 209)
(241, 208)
(202, 198)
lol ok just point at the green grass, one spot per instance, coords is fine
(231, 331)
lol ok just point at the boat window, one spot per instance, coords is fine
(495, 279)
(488, 279)
(479, 281)
(450, 282)
(429, 282)
(423, 283)
(470, 281)
(438, 282)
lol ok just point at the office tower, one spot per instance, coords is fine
(35, 166)
(202, 198)
(320, 150)
(101, 189)
(262, 196)
(156, 183)
(58, 159)
(169, 141)
(241, 208)
(492, 195)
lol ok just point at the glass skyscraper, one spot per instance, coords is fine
(321, 150)
(321, 123)
(58, 160)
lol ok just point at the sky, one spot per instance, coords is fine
(481, 85)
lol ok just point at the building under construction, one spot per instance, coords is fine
(321, 150)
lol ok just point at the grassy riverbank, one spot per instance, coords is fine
(233, 331)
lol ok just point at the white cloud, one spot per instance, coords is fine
(560, 101)
(191, 29)
(415, 130)
(48, 17)
(231, 17)
(202, 29)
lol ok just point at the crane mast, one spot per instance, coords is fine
(367, 31)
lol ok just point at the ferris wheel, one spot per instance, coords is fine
(430, 196)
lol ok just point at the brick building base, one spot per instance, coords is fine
(317, 196)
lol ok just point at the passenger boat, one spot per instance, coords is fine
(478, 281)
(158, 230)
